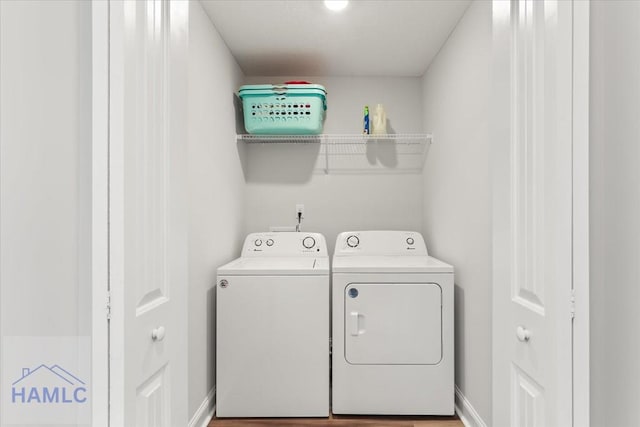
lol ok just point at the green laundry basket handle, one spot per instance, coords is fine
(280, 90)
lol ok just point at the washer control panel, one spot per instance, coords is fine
(380, 243)
(285, 244)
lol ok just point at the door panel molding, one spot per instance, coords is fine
(152, 400)
(528, 395)
(527, 146)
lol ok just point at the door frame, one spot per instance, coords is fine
(580, 220)
(100, 214)
(580, 194)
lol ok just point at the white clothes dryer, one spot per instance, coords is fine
(272, 324)
(392, 326)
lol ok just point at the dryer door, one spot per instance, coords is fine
(393, 323)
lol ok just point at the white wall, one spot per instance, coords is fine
(457, 191)
(45, 169)
(216, 190)
(376, 192)
(615, 212)
(45, 199)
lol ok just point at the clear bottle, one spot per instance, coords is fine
(379, 121)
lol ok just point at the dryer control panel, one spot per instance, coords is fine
(285, 244)
(380, 243)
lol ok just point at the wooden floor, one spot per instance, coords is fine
(342, 420)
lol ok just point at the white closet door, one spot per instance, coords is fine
(532, 213)
(148, 247)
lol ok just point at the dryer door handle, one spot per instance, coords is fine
(355, 323)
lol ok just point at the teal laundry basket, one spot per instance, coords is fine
(288, 109)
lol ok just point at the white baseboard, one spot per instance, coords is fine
(205, 412)
(466, 412)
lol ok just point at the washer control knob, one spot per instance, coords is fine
(308, 242)
(270, 242)
(410, 241)
(353, 241)
(258, 242)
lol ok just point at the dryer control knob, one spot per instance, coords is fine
(308, 242)
(270, 242)
(410, 241)
(258, 242)
(353, 241)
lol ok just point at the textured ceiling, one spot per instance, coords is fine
(368, 38)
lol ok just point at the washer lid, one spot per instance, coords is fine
(389, 264)
(276, 266)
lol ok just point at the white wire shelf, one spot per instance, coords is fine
(407, 138)
(356, 152)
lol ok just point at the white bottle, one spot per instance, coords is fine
(379, 121)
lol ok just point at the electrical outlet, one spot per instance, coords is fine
(300, 209)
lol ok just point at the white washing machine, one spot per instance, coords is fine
(272, 314)
(392, 326)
